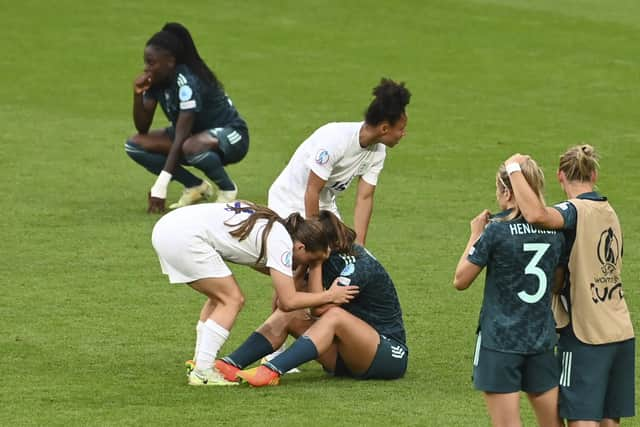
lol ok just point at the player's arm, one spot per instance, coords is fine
(158, 193)
(143, 107)
(315, 184)
(363, 210)
(299, 281)
(289, 299)
(558, 280)
(533, 210)
(466, 271)
(315, 285)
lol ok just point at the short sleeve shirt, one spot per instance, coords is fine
(521, 260)
(377, 303)
(334, 154)
(212, 223)
(188, 92)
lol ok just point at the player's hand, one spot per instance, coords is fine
(142, 83)
(342, 294)
(480, 222)
(156, 205)
(517, 158)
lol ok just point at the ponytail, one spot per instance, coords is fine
(340, 236)
(244, 227)
(579, 163)
(176, 39)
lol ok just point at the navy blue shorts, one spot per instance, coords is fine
(389, 363)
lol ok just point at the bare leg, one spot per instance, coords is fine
(583, 424)
(545, 405)
(199, 143)
(340, 331)
(504, 409)
(156, 141)
(225, 300)
(280, 324)
(610, 422)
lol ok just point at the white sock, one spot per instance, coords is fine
(212, 338)
(199, 327)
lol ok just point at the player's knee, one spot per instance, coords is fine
(137, 142)
(132, 148)
(191, 148)
(237, 300)
(333, 315)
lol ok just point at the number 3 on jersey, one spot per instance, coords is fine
(532, 268)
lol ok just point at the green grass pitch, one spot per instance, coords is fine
(92, 333)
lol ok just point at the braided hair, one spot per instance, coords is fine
(176, 39)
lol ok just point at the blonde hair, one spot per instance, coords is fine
(532, 174)
(579, 163)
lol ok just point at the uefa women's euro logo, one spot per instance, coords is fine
(608, 251)
(322, 156)
(285, 258)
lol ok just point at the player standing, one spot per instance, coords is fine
(597, 344)
(516, 332)
(326, 163)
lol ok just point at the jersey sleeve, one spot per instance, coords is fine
(279, 250)
(569, 213)
(189, 97)
(479, 252)
(326, 151)
(371, 175)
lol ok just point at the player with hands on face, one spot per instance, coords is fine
(596, 348)
(516, 333)
(206, 131)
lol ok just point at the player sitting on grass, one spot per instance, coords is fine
(363, 339)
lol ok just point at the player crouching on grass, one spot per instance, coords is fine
(206, 130)
(363, 339)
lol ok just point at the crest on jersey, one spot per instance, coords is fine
(185, 93)
(286, 258)
(322, 156)
(348, 270)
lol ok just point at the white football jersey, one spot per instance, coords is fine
(206, 221)
(332, 152)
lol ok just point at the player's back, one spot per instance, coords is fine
(377, 303)
(521, 261)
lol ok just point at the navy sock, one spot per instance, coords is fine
(253, 349)
(210, 163)
(303, 350)
(154, 162)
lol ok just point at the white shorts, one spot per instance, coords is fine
(186, 258)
